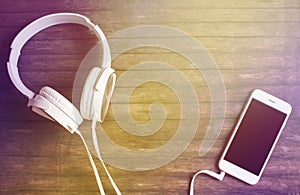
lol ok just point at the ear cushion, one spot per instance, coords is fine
(39, 105)
(47, 109)
(109, 88)
(62, 103)
(96, 93)
(87, 93)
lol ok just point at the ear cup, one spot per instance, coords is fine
(44, 107)
(87, 93)
(96, 93)
(109, 88)
(39, 105)
(62, 103)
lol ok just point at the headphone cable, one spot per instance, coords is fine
(92, 163)
(99, 183)
(95, 141)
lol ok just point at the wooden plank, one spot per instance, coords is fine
(218, 44)
(236, 60)
(197, 29)
(244, 78)
(238, 94)
(139, 105)
(169, 15)
(28, 6)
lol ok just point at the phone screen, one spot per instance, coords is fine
(255, 137)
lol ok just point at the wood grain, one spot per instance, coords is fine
(255, 44)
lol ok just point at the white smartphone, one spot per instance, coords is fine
(254, 137)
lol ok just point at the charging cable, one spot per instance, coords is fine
(219, 177)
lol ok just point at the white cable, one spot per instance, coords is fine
(95, 141)
(92, 163)
(219, 176)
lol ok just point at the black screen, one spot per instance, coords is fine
(255, 137)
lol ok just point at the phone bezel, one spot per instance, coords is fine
(237, 171)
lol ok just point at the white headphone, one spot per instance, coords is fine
(48, 103)
(96, 93)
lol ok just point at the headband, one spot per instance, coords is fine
(39, 25)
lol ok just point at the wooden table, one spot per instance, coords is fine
(254, 43)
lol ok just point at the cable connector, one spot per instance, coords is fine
(217, 176)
